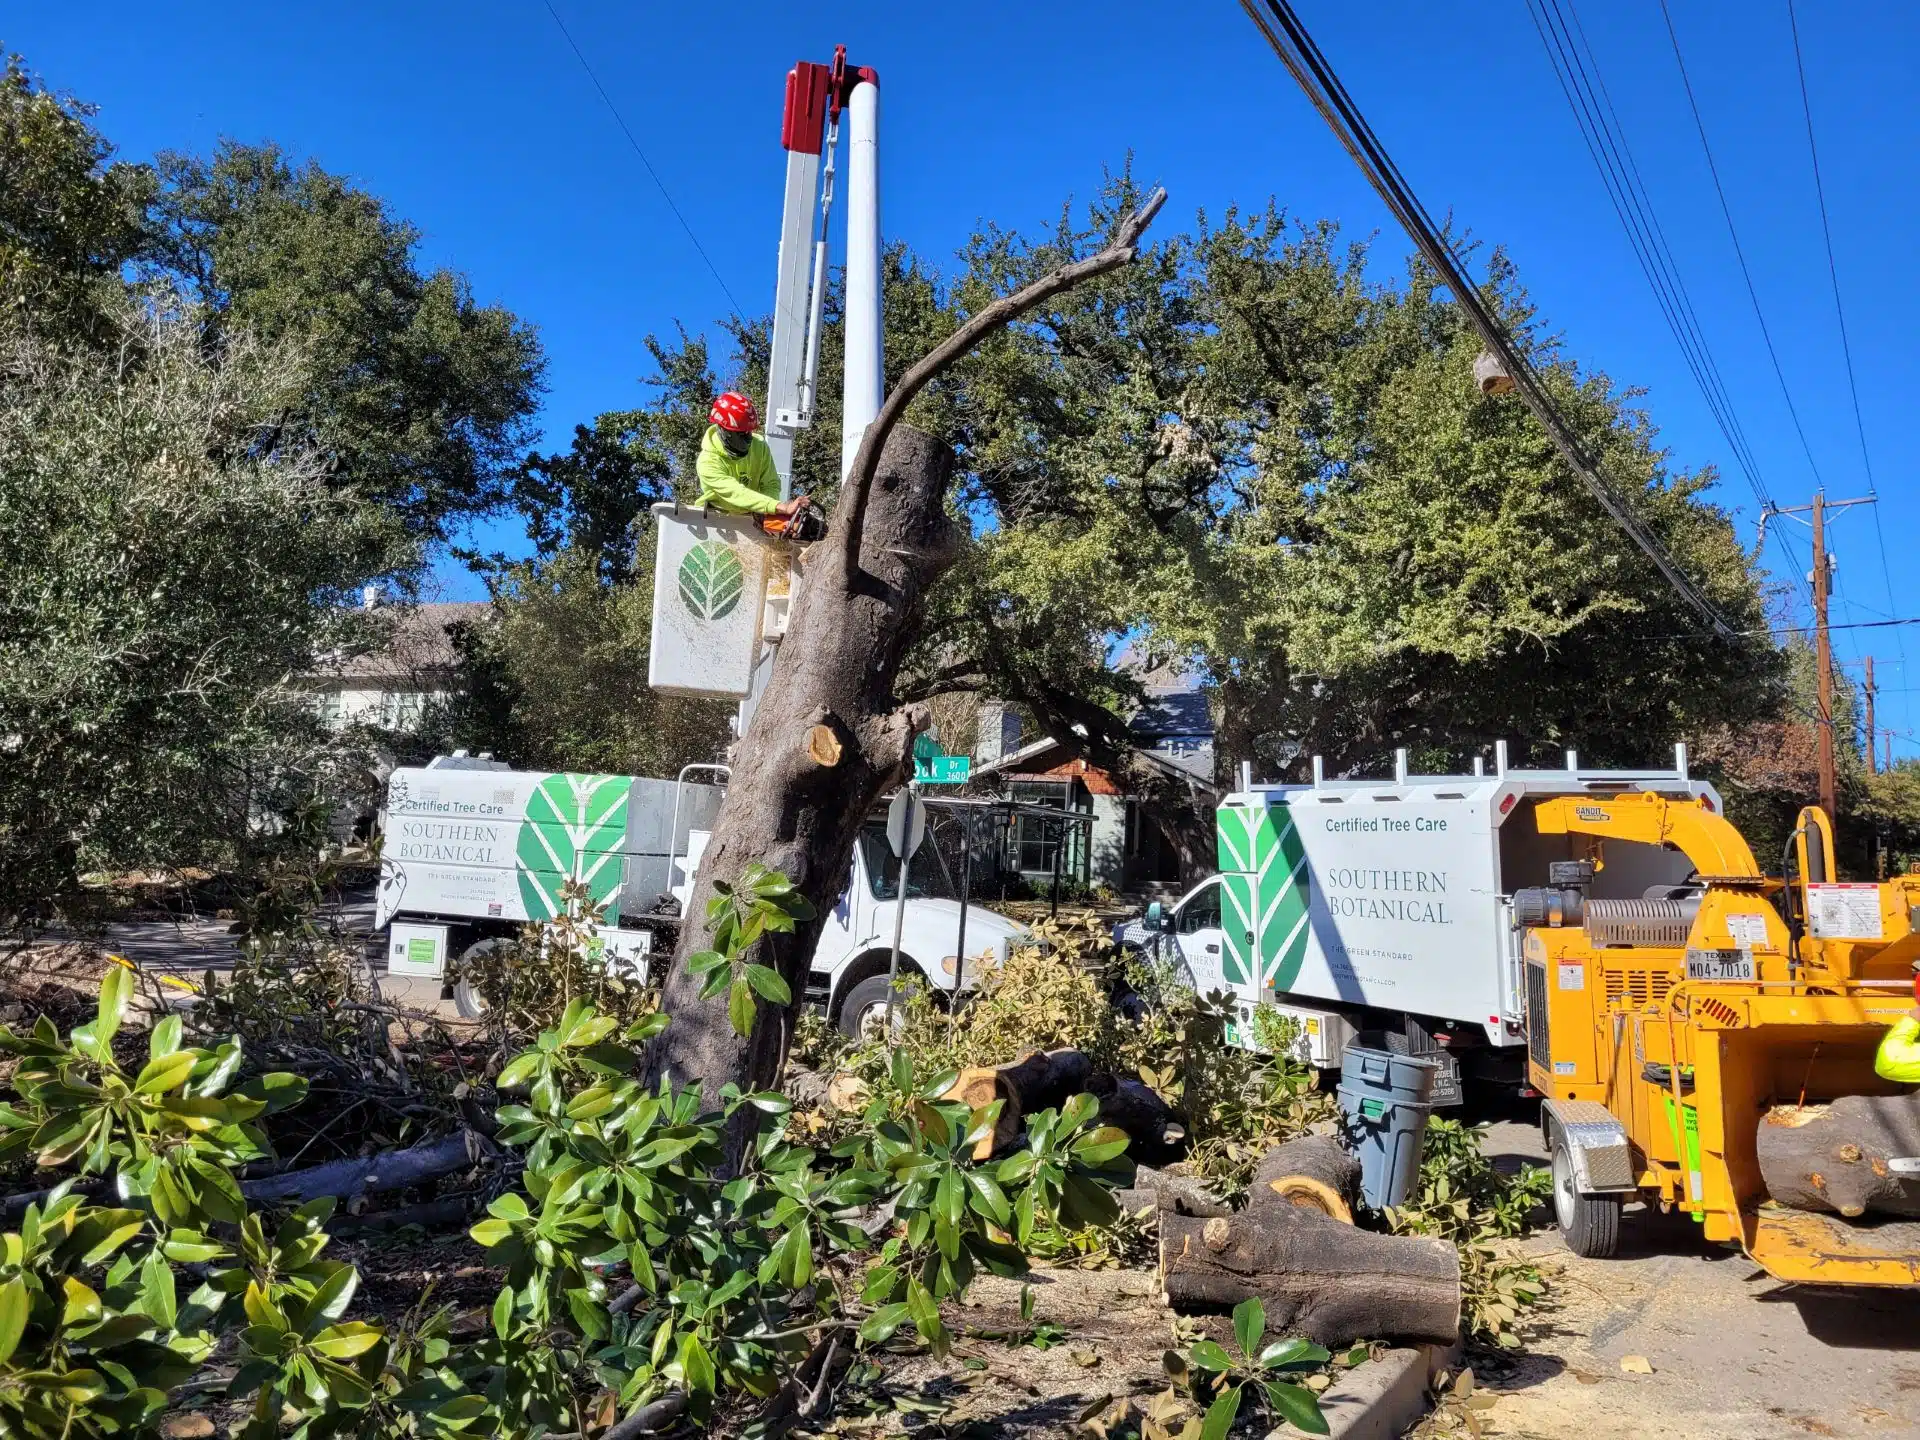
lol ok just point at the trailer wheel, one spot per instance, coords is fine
(471, 1004)
(1590, 1224)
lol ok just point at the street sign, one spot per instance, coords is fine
(945, 770)
(906, 825)
(931, 766)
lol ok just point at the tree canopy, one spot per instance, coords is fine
(230, 396)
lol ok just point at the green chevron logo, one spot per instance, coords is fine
(575, 828)
(1265, 896)
(712, 579)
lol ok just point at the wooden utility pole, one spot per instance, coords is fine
(1822, 578)
(1823, 653)
(1873, 763)
(1889, 739)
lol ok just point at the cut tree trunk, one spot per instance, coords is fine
(1047, 1079)
(1838, 1157)
(1156, 1134)
(1314, 1172)
(1316, 1276)
(1177, 1193)
(792, 803)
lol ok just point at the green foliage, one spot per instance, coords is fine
(162, 575)
(1463, 1198)
(527, 982)
(763, 902)
(557, 676)
(736, 1275)
(420, 396)
(93, 1330)
(229, 397)
(69, 216)
(1224, 1381)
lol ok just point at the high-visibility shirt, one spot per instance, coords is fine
(746, 486)
(1899, 1057)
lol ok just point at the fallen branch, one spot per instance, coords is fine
(1315, 1275)
(389, 1170)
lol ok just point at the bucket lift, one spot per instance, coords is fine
(723, 589)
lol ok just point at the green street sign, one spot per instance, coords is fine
(943, 770)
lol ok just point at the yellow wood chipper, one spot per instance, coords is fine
(1695, 1045)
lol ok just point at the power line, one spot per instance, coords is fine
(619, 120)
(1585, 89)
(1839, 309)
(1577, 69)
(1733, 233)
(1315, 76)
(1826, 232)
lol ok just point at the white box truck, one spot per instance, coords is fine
(473, 850)
(1386, 906)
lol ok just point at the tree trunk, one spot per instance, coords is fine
(1315, 1276)
(786, 809)
(798, 807)
(1836, 1157)
(1314, 1172)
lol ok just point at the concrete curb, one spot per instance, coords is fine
(1383, 1398)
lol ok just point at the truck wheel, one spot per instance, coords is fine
(863, 1013)
(467, 999)
(1590, 1224)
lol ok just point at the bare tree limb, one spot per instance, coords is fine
(852, 510)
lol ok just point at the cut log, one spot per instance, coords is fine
(1316, 1276)
(1047, 1079)
(1043, 1080)
(1842, 1157)
(1314, 1172)
(1177, 1193)
(389, 1170)
(1156, 1134)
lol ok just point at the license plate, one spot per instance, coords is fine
(1719, 965)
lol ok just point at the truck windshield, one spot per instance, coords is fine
(927, 876)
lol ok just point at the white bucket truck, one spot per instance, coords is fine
(1386, 906)
(473, 850)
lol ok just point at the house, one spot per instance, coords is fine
(1123, 847)
(392, 687)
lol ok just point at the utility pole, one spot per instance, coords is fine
(1822, 578)
(1873, 763)
(1823, 652)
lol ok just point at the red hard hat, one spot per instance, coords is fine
(734, 411)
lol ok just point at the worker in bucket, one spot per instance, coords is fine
(736, 467)
(1898, 1059)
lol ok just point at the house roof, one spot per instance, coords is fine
(1032, 761)
(419, 646)
(1173, 712)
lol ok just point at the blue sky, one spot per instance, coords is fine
(476, 122)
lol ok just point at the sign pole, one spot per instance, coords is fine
(904, 827)
(960, 944)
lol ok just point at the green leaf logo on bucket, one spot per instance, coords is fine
(711, 580)
(574, 828)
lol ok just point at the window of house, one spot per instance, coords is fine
(1035, 839)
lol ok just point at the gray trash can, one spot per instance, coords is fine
(1385, 1100)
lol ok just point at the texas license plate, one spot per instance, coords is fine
(1719, 965)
